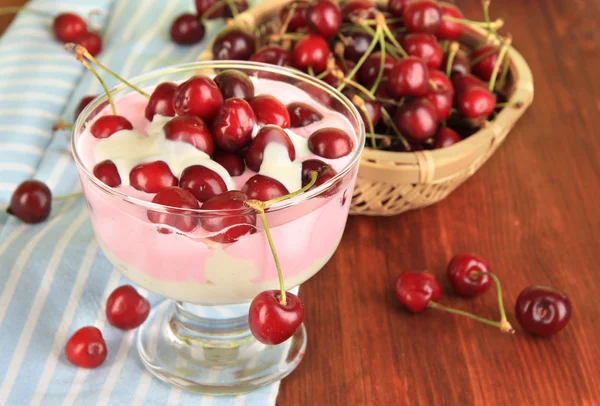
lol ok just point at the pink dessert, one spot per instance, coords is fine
(211, 249)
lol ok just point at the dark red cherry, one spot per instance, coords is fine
(106, 126)
(311, 51)
(330, 143)
(233, 44)
(324, 18)
(198, 96)
(240, 6)
(187, 29)
(234, 83)
(449, 30)
(269, 110)
(426, 47)
(266, 135)
(126, 308)
(417, 119)
(175, 197)
(192, 130)
(384, 92)
(445, 137)
(90, 41)
(316, 93)
(204, 183)
(272, 322)
(233, 125)
(152, 177)
(440, 79)
(86, 348)
(82, 105)
(325, 172)
(68, 27)
(367, 74)
(264, 188)
(373, 107)
(396, 7)
(487, 57)
(460, 64)
(416, 289)
(232, 162)
(355, 7)
(161, 101)
(302, 114)
(422, 16)
(441, 98)
(202, 6)
(106, 172)
(462, 274)
(273, 55)
(409, 77)
(461, 82)
(298, 19)
(31, 202)
(475, 102)
(356, 45)
(231, 215)
(543, 311)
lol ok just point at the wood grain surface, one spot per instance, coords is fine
(532, 211)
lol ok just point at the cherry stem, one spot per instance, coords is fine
(360, 103)
(454, 47)
(486, 15)
(362, 59)
(313, 179)
(438, 306)
(390, 101)
(390, 122)
(81, 52)
(214, 8)
(483, 56)
(393, 40)
(381, 63)
(504, 73)
(499, 23)
(62, 125)
(515, 104)
(501, 55)
(504, 324)
(69, 196)
(108, 94)
(16, 9)
(232, 7)
(288, 18)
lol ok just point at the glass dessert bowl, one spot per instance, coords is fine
(211, 258)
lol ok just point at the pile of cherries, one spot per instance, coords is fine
(540, 310)
(415, 86)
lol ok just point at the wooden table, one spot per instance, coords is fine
(531, 211)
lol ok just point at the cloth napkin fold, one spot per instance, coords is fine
(53, 277)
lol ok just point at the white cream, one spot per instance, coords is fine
(277, 165)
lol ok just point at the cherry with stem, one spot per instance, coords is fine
(452, 50)
(501, 56)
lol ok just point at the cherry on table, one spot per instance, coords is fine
(272, 322)
(233, 163)
(462, 273)
(233, 125)
(198, 96)
(298, 19)
(161, 101)
(152, 177)
(487, 56)
(367, 74)
(90, 41)
(173, 196)
(187, 29)
(265, 136)
(86, 348)
(542, 311)
(409, 77)
(106, 126)
(302, 114)
(415, 290)
(231, 215)
(234, 83)
(445, 137)
(475, 102)
(417, 119)
(107, 173)
(68, 27)
(204, 183)
(270, 111)
(311, 51)
(191, 130)
(324, 18)
(449, 30)
(325, 172)
(330, 143)
(126, 308)
(263, 188)
(31, 202)
(422, 16)
(425, 47)
(234, 44)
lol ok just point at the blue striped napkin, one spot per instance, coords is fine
(53, 278)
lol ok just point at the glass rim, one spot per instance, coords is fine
(226, 64)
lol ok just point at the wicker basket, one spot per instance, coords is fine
(390, 183)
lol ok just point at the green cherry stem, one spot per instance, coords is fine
(451, 54)
(362, 59)
(483, 56)
(69, 196)
(381, 63)
(438, 306)
(108, 94)
(498, 23)
(214, 8)
(313, 179)
(486, 15)
(504, 324)
(393, 40)
(504, 73)
(360, 103)
(499, 62)
(288, 18)
(232, 6)
(388, 120)
(17, 9)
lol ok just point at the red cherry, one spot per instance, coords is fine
(90, 41)
(355, 7)
(233, 163)
(462, 82)
(425, 47)
(152, 177)
(86, 348)
(460, 64)
(161, 101)
(445, 137)
(311, 51)
(384, 92)
(198, 96)
(449, 30)
(316, 93)
(126, 308)
(82, 105)
(174, 196)
(204, 183)
(240, 6)
(302, 114)
(31, 202)
(264, 188)
(266, 135)
(187, 29)
(417, 119)
(234, 83)
(231, 215)
(440, 79)
(233, 125)
(106, 126)
(409, 77)
(422, 16)
(202, 6)
(325, 172)
(373, 107)
(273, 55)
(330, 143)
(234, 44)
(367, 74)
(68, 27)
(475, 102)
(416, 289)
(356, 45)
(331, 79)
(192, 130)
(543, 311)
(269, 110)
(484, 68)
(461, 275)
(442, 101)
(272, 322)
(396, 7)
(107, 172)
(298, 19)
(324, 18)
